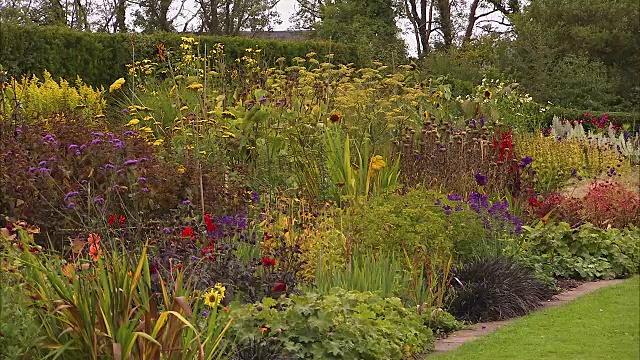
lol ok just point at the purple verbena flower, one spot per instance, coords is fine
(166, 230)
(130, 162)
(142, 179)
(97, 134)
(98, 200)
(262, 100)
(73, 147)
(42, 163)
(481, 179)
(130, 133)
(71, 205)
(454, 197)
(186, 202)
(84, 182)
(45, 171)
(95, 141)
(71, 194)
(525, 161)
(145, 189)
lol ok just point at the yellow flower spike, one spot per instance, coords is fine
(377, 163)
(146, 129)
(133, 122)
(158, 142)
(147, 118)
(117, 84)
(184, 108)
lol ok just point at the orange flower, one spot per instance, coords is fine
(94, 246)
(263, 329)
(544, 219)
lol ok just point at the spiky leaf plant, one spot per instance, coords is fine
(495, 289)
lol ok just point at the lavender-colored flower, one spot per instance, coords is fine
(574, 172)
(73, 147)
(124, 111)
(250, 104)
(52, 159)
(32, 169)
(109, 166)
(96, 141)
(478, 201)
(71, 194)
(166, 230)
(130, 162)
(42, 163)
(472, 123)
(45, 171)
(194, 258)
(186, 202)
(71, 205)
(454, 197)
(278, 103)
(625, 135)
(18, 131)
(98, 200)
(142, 179)
(9, 153)
(111, 135)
(130, 133)
(525, 161)
(262, 100)
(143, 159)
(49, 138)
(447, 209)
(145, 189)
(117, 143)
(204, 313)
(120, 171)
(481, 179)
(84, 182)
(97, 134)
(78, 152)
(459, 208)
(255, 197)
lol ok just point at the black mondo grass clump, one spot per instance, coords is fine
(495, 289)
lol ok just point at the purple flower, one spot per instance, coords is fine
(130, 133)
(98, 200)
(478, 201)
(472, 122)
(84, 182)
(78, 152)
(186, 202)
(111, 135)
(194, 258)
(278, 103)
(625, 135)
(204, 313)
(71, 194)
(144, 159)
(124, 111)
(95, 141)
(9, 153)
(144, 189)
(481, 179)
(52, 159)
(49, 138)
(166, 230)
(73, 147)
(262, 100)
(255, 196)
(19, 131)
(120, 171)
(459, 208)
(97, 134)
(117, 143)
(142, 179)
(42, 163)
(250, 104)
(32, 169)
(447, 209)
(454, 197)
(525, 161)
(130, 162)
(45, 171)
(71, 205)
(437, 202)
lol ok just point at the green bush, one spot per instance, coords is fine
(100, 58)
(586, 252)
(341, 325)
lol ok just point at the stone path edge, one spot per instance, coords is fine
(475, 331)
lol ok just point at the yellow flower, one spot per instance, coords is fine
(158, 142)
(116, 85)
(184, 108)
(194, 86)
(488, 94)
(214, 297)
(133, 122)
(377, 163)
(181, 169)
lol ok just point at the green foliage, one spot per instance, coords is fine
(396, 222)
(441, 322)
(99, 58)
(585, 253)
(105, 306)
(19, 326)
(578, 53)
(340, 325)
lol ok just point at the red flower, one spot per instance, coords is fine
(112, 219)
(268, 262)
(208, 252)
(210, 225)
(121, 220)
(280, 286)
(188, 233)
(534, 203)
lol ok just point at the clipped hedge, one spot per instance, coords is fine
(625, 119)
(100, 58)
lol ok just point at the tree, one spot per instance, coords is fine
(563, 45)
(368, 24)
(229, 17)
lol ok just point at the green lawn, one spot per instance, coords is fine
(602, 325)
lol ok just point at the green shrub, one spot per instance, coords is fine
(341, 325)
(586, 252)
(100, 58)
(495, 289)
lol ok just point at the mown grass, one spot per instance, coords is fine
(602, 325)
